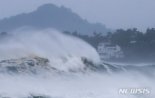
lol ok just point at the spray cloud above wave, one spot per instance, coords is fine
(61, 50)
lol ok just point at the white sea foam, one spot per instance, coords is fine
(63, 51)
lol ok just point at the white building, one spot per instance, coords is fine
(108, 51)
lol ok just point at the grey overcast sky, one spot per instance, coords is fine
(113, 13)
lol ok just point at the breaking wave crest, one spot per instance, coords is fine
(38, 65)
(64, 52)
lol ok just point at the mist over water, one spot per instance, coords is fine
(64, 52)
(79, 86)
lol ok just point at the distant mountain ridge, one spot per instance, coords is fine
(51, 16)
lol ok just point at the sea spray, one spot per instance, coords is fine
(62, 51)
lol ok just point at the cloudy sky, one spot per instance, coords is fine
(113, 13)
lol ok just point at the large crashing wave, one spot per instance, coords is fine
(64, 52)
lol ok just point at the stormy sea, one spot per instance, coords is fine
(50, 64)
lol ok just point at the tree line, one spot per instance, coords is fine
(135, 44)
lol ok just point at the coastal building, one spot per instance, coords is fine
(109, 51)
